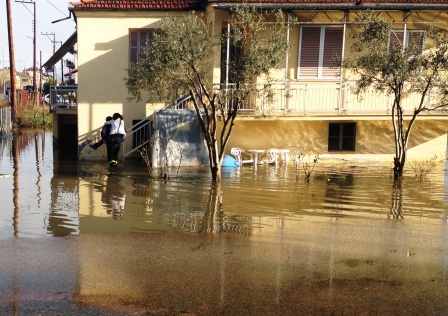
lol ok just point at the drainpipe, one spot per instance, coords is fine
(286, 65)
(228, 51)
(342, 58)
(404, 30)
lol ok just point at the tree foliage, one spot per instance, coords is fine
(383, 61)
(181, 61)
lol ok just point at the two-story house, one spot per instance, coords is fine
(315, 107)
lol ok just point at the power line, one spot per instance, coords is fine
(23, 4)
(55, 6)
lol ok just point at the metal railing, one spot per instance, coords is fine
(289, 100)
(62, 97)
(140, 134)
(297, 98)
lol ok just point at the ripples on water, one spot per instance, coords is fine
(58, 199)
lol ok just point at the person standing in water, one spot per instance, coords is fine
(116, 136)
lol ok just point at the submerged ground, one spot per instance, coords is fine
(80, 239)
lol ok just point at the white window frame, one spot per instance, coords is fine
(321, 52)
(407, 36)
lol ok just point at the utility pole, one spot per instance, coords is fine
(34, 47)
(62, 66)
(40, 87)
(34, 54)
(54, 48)
(12, 70)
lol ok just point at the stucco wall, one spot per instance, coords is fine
(374, 139)
(103, 49)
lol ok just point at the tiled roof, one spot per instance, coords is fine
(200, 4)
(140, 4)
(341, 1)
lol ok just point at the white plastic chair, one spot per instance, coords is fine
(272, 155)
(237, 153)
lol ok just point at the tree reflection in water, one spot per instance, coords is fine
(396, 210)
(212, 221)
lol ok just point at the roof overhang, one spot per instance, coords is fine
(346, 6)
(62, 51)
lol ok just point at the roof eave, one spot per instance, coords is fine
(60, 53)
(337, 6)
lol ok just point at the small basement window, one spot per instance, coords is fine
(341, 136)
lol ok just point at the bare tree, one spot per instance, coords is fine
(181, 58)
(383, 60)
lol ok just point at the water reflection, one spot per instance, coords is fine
(66, 198)
(112, 196)
(396, 210)
(63, 218)
(15, 153)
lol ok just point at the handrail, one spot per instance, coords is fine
(141, 133)
(179, 103)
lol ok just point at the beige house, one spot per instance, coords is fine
(315, 107)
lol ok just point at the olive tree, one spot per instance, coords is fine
(181, 56)
(383, 61)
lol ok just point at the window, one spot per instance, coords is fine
(414, 37)
(341, 136)
(319, 47)
(138, 41)
(235, 54)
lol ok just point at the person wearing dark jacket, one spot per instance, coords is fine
(114, 139)
(105, 131)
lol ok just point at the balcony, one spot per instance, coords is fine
(63, 98)
(297, 99)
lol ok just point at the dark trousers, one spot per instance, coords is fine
(112, 151)
(98, 144)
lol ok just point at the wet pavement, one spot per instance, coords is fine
(346, 267)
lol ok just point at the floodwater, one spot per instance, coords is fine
(77, 238)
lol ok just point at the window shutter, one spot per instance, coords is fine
(133, 47)
(309, 52)
(396, 38)
(332, 50)
(138, 41)
(417, 37)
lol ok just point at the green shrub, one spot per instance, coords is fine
(34, 118)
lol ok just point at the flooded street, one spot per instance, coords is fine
(79, 239)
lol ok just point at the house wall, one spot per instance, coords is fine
(374, 140)
(103, 47)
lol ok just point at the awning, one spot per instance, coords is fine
(64, 49)
(71, 72)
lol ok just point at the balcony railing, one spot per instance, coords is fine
(63, 97)
(302, 99)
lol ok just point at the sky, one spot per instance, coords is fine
(47, 11)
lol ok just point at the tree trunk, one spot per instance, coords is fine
(398, 168)
(400, 159)
(216, 173)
